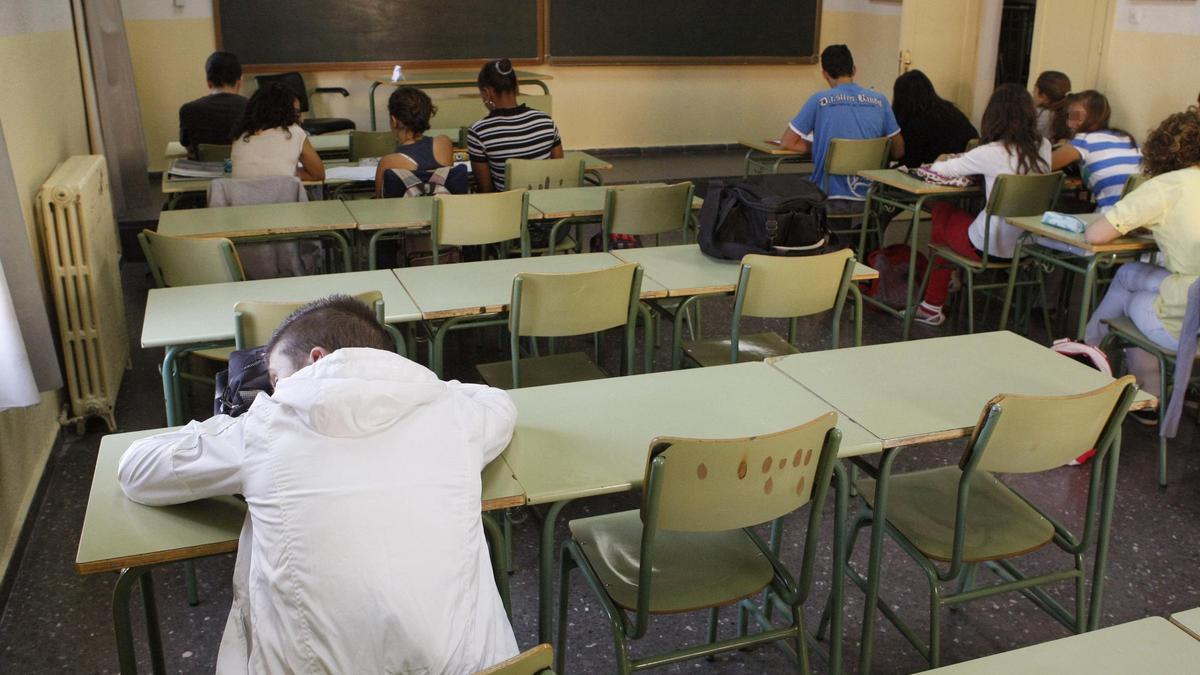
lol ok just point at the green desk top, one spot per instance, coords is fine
(768, 148)
(1150, 645)
(257, 220)
(683, 270)
(465, 289)
(932, 390)
(902, 181)
(1189, 621)
(467, 78)
(120, 533)
(590, 438)
(394, 212)
(577, 202)
(198, 314)
(1034, 224)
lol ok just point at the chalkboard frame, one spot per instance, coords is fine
(316, 66)
(643, 60)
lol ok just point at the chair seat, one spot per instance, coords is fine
(921, 505)
(756, 347)
(963, 261)
(541, 370)
(1125, 327)
(692, 570)
(324, 125)
(567, 243)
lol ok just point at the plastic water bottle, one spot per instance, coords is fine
(397, 74)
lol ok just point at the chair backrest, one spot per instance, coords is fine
(182, 261)
(1132, 183)
(1014, 196)
(261, 190)
(648, 209)
(574, 303)
(703, 485)
(207, 152)
(849, 156)
(293, 81)
(541, 174)
(773, 286)
(365, 144)
(532, 661)
(472, 220)
(254, 321)
(463, 111)
(1026, 434)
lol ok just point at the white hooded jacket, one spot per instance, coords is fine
(363, 550)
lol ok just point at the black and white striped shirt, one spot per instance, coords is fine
(511, 133)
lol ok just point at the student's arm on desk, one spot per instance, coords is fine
(794, 142)
(487, 415)
(1100, 232)
(202, 459)
(897, 149)
(1143, 207)
(311, 166)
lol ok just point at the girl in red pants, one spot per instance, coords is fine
(1010, 144)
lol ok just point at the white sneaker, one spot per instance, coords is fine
(929, 315)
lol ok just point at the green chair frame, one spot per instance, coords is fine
(254, 321)
(536, 660)
(1123, 331)
(480, 219)
(549, 174)
(548, 305)
(1012, 196)
(644, 210)
(700, 500)
(846, 157)
(186, 261)
(776, 287)
(210, 152)
(366, 144)
(993, 523)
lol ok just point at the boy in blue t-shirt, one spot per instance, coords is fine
(845, 110)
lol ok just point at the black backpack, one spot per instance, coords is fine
(771, 215)
(238, 386)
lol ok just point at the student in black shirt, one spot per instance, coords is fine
(212, 118)
(930, 124)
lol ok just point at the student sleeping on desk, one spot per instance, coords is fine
(363, 549)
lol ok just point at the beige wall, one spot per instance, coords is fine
(596, 107)
(42, 112)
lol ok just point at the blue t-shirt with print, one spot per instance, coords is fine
(846, 111)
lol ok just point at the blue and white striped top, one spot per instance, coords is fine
(1108, 159)
(511, 133)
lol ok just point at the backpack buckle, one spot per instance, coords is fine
(772, 229)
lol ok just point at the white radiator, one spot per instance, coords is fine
(79, 238)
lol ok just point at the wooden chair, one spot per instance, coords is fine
(846, 157)
(559, 305)
(775, 287)
(964, 516)
(1012, 196)
(364, 144)
(691, 545)
(255, 321)
(534, 661)
(548, 174)
(481, 219)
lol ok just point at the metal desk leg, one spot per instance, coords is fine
(910, 309)
(495, 535)
(170, 381)
(123, 626)
(858, 313)
(546, 572)
(1085, 300)
(878, 526)
(838, 586)
(371, 102)
(1102, 533)
(746, 164)
(1012, 281)
(339, 240)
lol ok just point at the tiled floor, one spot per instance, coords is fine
(56, 621)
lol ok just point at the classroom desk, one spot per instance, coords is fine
(1087, 259)
(1189, 621)
(591, 438)
(176, 187)
(447, 79)
(186, 318)
(122, 536)
(327, 146)
(1150, 645)
(895, 188)
(323, 219)
(448, 295)
(870, 385)
(580, 202)
(761, 154)
(385, 217)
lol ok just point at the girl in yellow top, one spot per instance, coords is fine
(1168, 205)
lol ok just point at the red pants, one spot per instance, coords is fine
(950, 225)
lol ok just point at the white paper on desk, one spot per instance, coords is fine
(363, 173)
(190, 168)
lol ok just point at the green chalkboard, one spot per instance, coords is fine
(315, 34)
(683, 31)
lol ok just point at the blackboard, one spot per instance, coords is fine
(683, 31)
(339, 34)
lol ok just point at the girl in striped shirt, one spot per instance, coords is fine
(1108, 156)
(510, 131)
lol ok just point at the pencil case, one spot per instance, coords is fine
(1064, 221)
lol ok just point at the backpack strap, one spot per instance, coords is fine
(437, 181)
(413, 186)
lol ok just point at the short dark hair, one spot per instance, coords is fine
(223, 69)
(412, 108)
(837, 61)
(332, 323)
(498, 75)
